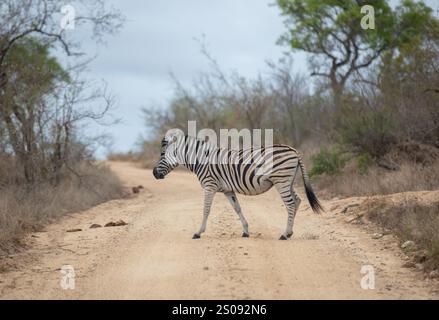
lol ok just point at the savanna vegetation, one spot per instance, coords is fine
(411, 221)
(46, 166)
(366, 118)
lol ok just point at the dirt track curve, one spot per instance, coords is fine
(154, 257)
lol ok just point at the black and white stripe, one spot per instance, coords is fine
(250, 172)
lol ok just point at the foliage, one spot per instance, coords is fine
(41, 103)
(364, 161)
(46, 162)
(368, 132)
(331, 32)
(32, 71)
(329, 161)
(393, 99)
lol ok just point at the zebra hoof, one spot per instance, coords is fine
(289, 236)
(245, 235)
(196, 236)
(282, 237)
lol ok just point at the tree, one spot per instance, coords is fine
(331, 32)
(32, 75)
(41, 103)
(408, 80)
(41, 19)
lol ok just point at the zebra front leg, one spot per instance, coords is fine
(234, 202)
(291, 201)
(208, 199)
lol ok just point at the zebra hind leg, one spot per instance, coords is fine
(234, 202)
(296, 207)
(291, 201)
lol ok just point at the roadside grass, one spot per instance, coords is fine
(352, 182)
(124, 157)
(26, 209)
(411, 220)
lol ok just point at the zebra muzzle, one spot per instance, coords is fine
(157, 174)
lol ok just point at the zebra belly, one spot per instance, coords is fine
(256, 187)
(262, 187)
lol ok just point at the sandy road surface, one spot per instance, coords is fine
(155, 257)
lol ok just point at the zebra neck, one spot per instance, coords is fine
(191, 151)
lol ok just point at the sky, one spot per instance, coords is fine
(159, 38)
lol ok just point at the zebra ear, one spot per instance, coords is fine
(206, 139)
(173, 134)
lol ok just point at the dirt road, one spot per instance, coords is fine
(154, 257)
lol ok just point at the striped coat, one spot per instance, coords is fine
(250, 172)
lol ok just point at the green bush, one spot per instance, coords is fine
(364, 161)
(370, 132)
(328, 161)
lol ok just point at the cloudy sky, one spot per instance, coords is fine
(159, 38)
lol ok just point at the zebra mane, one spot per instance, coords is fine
(201, 141)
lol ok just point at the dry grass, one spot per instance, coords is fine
(145, 160)
(411, 220)
(149, 163)
(24, 209)
(410, 177)
(124, 157)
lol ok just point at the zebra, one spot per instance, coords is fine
(230, 172)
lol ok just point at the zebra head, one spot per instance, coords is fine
(169, 153)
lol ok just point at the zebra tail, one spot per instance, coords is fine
(312, 198)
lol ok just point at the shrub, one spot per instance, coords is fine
(364, 161)
(328, 161)
(25, 208)
(409, 177)
(368, 132)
